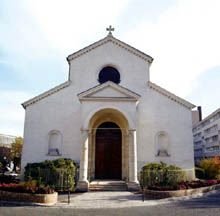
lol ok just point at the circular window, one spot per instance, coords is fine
(109, 74)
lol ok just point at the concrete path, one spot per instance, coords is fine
(101, 199)
(116, 199)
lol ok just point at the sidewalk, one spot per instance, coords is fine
(101, 199)
(116, 199)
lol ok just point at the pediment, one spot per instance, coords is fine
(116, 42)
(109, 91)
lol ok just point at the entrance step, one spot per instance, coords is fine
(107, 185)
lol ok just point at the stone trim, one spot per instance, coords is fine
(107, 99)
(49, 199)
(171, 96)
(115, 41)
(46, 94)
(153, 194)
(129, 95)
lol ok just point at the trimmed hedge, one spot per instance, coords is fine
(59, 174)
(161, 174)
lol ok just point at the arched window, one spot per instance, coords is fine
(109, 74)
(55, 143)
(162, 144)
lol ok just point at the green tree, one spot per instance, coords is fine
(16, 150)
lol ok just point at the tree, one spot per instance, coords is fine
(16, 150)
(211, 167)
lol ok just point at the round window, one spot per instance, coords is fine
(109, 74)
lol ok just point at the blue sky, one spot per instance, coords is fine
(36, 37)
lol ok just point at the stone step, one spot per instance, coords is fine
(107, 186)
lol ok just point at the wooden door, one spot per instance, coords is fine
(108, 151)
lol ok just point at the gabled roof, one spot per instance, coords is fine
(101, 92)
(45, 94)
(110, 38)
(170, 95)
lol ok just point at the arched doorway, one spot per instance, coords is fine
(119, 122)
(108, 151)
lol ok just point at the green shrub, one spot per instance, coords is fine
(161, 174)
(59, 174)
(211, 167)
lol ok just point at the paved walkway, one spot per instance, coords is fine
(114, 199)
(101, 199)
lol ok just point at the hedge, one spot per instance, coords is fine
(59, 174)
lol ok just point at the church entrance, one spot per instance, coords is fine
(108, 151)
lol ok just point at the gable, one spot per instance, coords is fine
(108, 91)
(110, 39)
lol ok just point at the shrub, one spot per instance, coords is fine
(59, 174)
(211, 167)
(186, 185)
(161, 174)
(26, 187)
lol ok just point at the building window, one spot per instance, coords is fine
(162, 144)
(55, 143)
(109, 74)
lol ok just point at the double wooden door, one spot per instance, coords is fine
(108, 151)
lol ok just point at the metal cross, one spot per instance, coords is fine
(110, 29)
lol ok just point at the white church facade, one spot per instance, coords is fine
(109, 117)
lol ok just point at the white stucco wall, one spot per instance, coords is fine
(158, 113)
(62, 111)
(84, 70)
(59, 111)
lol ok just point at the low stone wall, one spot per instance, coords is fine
(48, 199)
(152, 194)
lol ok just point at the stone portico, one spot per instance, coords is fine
(109, 94)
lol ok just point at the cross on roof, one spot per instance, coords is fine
(110, 29)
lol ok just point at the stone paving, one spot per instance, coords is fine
(101, 199)
(116, 199)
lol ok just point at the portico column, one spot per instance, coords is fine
(83, 184)
(133, 183)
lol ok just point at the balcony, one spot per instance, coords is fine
(199, 146)
(211, 133)
(214, 143)
(212, 153)
(197, 138)
(198, 154)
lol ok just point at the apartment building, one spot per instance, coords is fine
(5, 145)
(206, 136)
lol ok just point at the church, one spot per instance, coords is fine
(109, 117)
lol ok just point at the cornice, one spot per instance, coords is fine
(131, 96)
(108, 99)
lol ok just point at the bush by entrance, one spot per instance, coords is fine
(60, 174)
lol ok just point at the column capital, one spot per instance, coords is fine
(86, 130)
(130, 132)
